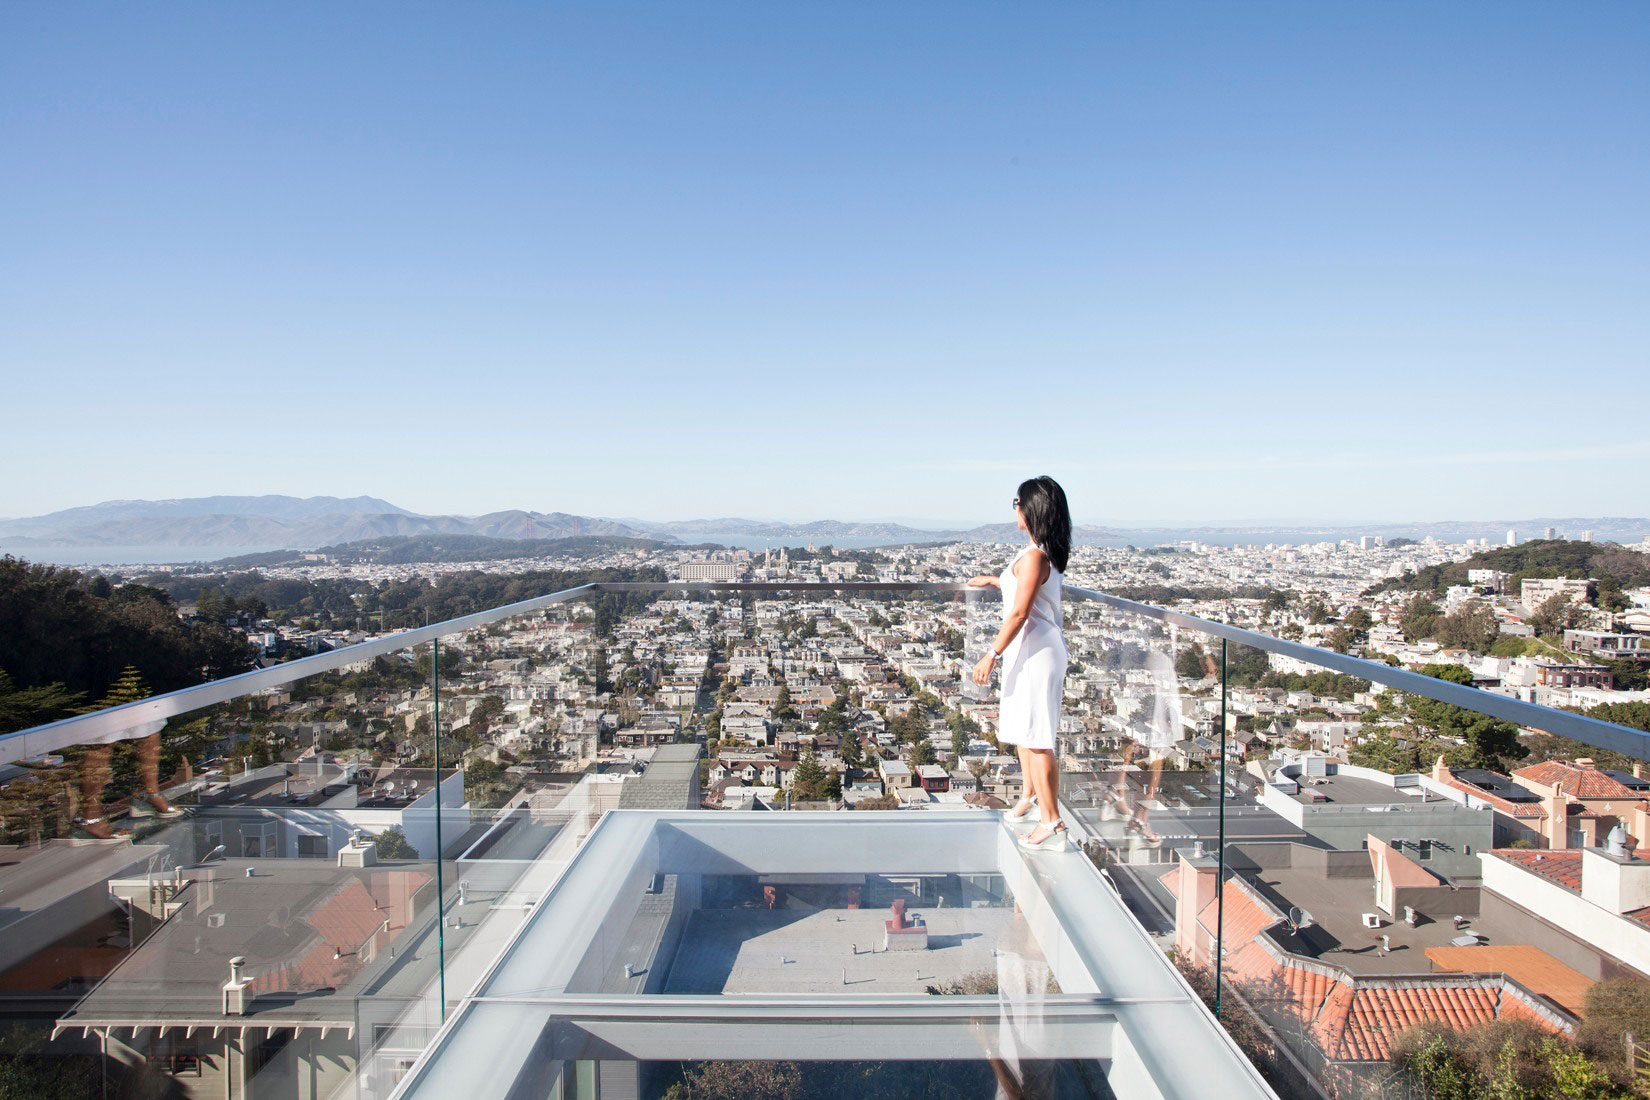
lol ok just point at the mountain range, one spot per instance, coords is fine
(279, 523)
(253, 523)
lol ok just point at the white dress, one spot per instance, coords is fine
(1034, 665)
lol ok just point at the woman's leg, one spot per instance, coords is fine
(1048, 783)
(1028, 776)
(1045, 765)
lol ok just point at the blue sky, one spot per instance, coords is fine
(1201, 262)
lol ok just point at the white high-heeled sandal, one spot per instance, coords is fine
(1055, 841)
(1017, 816)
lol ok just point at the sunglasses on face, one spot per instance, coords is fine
(1016, 502)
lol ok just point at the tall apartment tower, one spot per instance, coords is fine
(1549, 532)
(1512, 537)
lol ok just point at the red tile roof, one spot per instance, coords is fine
(1359, 1021)
(1564, 867)
(1574, 781)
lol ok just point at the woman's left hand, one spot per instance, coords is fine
(982, 671)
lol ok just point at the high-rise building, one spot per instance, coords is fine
(1512, 537)
(1549, 532)
(1586, 536)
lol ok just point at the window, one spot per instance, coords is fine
(312, 846)
(1425, 848)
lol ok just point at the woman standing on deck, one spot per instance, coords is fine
(1032, 649)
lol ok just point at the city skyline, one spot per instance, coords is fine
(1200, 264)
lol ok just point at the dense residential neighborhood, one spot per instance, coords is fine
(1386, 855)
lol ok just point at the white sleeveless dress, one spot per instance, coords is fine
(1034, 664)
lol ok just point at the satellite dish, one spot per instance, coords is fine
(412, 784)
(1299, 919)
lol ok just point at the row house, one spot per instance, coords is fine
(768, 772)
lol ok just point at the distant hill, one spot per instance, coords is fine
(1538, 558)
(450, 548)
(231, 524)
(278, 522)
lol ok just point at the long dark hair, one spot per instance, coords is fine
(1044, 504)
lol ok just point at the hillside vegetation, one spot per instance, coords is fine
(1606, 561)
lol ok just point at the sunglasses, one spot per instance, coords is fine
(1016, 502)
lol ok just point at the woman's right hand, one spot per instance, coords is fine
(983, 582)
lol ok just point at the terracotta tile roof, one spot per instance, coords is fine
(1574, 781)
(1246, 915)
(1359, 1021)
(1525, 964)
(346, 930)
(1562, 867)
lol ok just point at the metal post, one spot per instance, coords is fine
(440, 896)
(1220, 853)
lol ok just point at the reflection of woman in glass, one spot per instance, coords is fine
(1032, 649)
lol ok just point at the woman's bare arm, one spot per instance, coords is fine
(1030, 572)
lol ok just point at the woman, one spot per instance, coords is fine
(1032, 650)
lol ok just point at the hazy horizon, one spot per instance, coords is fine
(919, 522)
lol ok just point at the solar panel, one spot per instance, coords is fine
(1498, 785)
(1628, 779)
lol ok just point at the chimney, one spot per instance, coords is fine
(361, 851)
(1584, 762)
(1440, 773)
(1614, 879)
(1558, 818)
(1194, 890)
(237, 996)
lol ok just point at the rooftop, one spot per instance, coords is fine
(694, 937)
(310, 934)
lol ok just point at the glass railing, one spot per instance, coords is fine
(597, 841)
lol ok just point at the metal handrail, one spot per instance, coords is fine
(1605, 735)
(103, 724)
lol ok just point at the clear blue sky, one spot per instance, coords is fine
(1201, 262)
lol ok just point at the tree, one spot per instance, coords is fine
(1418, 617)
(1188, 663)
(21, 708)
(486, 783)
(1359, 621)
(1472, 627)
(922, 750)
(598, 671)
(392, 844)
(878, 802)
(850, 749)
(808, 779)
(1555, 615)
(1492, 741)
